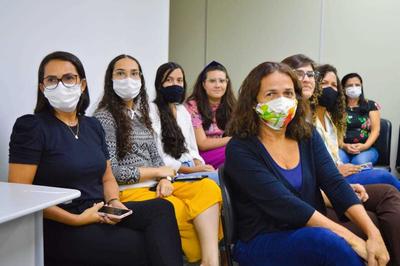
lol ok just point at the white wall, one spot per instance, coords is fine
(94, 30)
(355, 36)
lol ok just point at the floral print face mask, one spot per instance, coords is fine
(277, 113)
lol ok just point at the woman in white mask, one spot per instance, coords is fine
(59, 146)
(276, 164)
(139, 169)
(363, 123)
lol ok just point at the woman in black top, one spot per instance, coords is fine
(59, 146)
(363, 123)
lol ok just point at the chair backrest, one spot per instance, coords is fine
(228, 214)
(382, 144)
(398, 154)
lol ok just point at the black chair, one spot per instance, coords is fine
(398, 155)
(227, 216)
(382, 144)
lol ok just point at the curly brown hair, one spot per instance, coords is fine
(338, 112)
(246, 122)
(116, 106)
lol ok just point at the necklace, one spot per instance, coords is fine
(76, 135)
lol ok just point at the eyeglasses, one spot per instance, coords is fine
(69, 80)
(310, 74)
(214, 81)
(122, 74)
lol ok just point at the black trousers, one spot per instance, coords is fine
(383, 207)
(149, 236)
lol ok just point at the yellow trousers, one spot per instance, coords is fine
(189, 200)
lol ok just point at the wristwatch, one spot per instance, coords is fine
(170, 179)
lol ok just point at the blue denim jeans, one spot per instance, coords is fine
(374, 176)
(370, 155)
(305, 246)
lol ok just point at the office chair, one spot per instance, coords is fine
(382, 144)
(227, 216)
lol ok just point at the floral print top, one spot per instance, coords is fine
(358, 122)
(213, 131)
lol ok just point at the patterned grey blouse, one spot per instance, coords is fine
(144, 151)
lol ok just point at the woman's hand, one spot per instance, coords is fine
(360, 147)
(377, 252)
(91, 215)
(203, 168)
(348, 169)
(165, 171)
(115, 204)
(359, 246)
(351, 148)
(164, 188)
(360, 192)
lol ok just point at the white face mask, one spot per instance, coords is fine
(128, 88)
(277, 113)
(63, 98)
(353, 92)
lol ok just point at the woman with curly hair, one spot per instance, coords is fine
(330, 121)
(176, 141)
(363, 123)
(210, 107)
(124, 114)
(277, 165)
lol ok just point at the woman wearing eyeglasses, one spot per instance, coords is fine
(139, 169)
(59, 146)
(210, 106)
(277, 165)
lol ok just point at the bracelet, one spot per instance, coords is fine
(111, 200)
(170, 179)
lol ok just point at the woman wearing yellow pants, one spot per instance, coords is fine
(124, 115)
(189, 199)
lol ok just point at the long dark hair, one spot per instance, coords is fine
(362, 102)
(42, 104)
(225, 108)
(116, 106)
(338, 112)
(247, 122)
(171, 134)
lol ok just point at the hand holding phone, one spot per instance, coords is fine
(366, 166)
(113, 212)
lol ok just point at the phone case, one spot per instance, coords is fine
(115, 216)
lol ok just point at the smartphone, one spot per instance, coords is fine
(366, 166)
(114, 212)
(189, 177)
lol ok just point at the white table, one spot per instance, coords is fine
(21, 220)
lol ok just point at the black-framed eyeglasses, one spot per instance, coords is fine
(69, 80)
(310, 74)
(122, 74)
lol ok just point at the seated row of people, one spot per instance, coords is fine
(282, 178)
(114, 161)
(131, 155)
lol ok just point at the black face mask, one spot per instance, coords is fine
(328, 98)
(172, 94)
